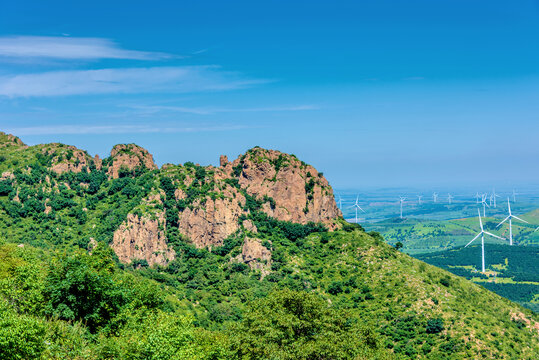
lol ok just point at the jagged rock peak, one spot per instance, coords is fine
(129, 157)
(10, 140)
(300, 193)
(66, 158)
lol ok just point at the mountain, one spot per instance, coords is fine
(116, 258)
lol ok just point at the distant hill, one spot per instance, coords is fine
(116, 258)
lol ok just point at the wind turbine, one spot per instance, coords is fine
(494, 196)
(484, 202)
(419, 199)
(435, 196)
(449, 198)
(482, 234)
(356, 205)
(510, 217)
(402, 201)
(477, 198)
(515, 196)
(340, 202)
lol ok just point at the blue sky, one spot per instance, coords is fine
(373, 93)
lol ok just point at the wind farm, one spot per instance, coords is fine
(462, 233)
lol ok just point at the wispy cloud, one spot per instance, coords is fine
(115, 129)
(123, 80)
(69, 48)
(213, 110)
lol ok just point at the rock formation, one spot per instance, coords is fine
(301, 193)
(142, 237)
(67, 158)
(129, 157)
(256, 255)
(208, 224)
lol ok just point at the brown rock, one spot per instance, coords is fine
(68, 158)
(249, 226)
(256, 255)
(129, 157)
(10, 140)
(142, 238)
(223, 160)
(208, 224)
(301, 194)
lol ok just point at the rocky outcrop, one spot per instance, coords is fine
(68, 159)
(210, 201)
(208, 223)
(10, 140)
(142, 236)
(256, 255)
(129, 157)
(300, 192)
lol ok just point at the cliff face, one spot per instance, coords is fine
(300, 192)
(142, 237)
(208, 223)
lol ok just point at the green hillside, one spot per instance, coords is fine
(344, 294)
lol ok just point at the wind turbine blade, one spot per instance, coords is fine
(504, 220)
(359, 207)
(496, 236)
(516, 217)
(473, 239)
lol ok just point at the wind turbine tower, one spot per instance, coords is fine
(494, 196)
(485, 205)
(477, 198)
(449, 198)
(482, 234)
(435, 196)
(419, 199)
(356, 205)
(402, 201)
(515, 196)
(510, 217)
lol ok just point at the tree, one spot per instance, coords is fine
(298, 325)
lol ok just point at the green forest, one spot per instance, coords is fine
(342, 294)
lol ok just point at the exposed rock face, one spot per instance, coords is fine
(256, 255)
(210, 201)
(129, 157)
(208, 224)
(223, 160)
(68, 158)
(301, 193)
(143, 237)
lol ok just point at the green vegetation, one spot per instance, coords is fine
(323, 295)
(512, 271)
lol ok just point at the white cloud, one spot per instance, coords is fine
(151, 109)
(122, 80)
(114, 129)
(69, 48)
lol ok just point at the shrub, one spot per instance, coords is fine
(434, 326)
